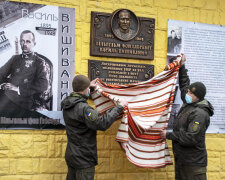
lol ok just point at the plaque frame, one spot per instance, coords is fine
(104, 43)
(106, 70)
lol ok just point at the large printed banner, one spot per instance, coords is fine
(36, 64)
(203, 45)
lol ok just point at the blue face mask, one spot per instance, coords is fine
(188, 99)
(89, 92)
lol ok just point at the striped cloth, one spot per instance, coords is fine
(148, 111)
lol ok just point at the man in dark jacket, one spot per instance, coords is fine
(189, 128)
(82, 123)
(25, 80)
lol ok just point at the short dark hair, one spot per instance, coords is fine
(172, 31)
(26, 32)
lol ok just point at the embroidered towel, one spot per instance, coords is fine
(148, 111)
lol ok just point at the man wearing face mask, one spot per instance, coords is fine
(82, 123)
(189, 128)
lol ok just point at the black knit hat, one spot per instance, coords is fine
(80, 83)
(198, 89)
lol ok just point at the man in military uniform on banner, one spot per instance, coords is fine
(25, 80)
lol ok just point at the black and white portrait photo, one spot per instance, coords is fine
(32, 65)
(26, 79)
(174, 44)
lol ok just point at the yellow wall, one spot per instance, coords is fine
(39, 154)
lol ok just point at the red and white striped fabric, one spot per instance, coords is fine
(148, 111)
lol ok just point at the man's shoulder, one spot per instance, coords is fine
(177, 40)
(42, 58)
(132, 31)
(205, 107)
(117, 32)
(199, 111)
(16, 56)
(15, 59)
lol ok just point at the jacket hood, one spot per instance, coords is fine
(207, 106)
(72, 100)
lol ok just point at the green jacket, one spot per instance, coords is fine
(189, 128)
(82, 123)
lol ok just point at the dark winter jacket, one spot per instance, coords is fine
(82, 122)
(189, 128)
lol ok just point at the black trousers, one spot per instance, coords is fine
(190, 172)
(11, 110)
(8, 108)
(80, 174)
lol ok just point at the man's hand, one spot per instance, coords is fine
(93, 83)
(183, 59)
(9, 86)
(163, 133)
(123, 103)
(2, 86)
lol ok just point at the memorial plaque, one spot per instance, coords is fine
(122, 34)
(119, 73)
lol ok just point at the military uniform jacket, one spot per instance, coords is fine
(82, 123)
(189, 128)
(29, 74)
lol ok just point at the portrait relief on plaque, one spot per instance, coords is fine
(124, 24)
(122, 34)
